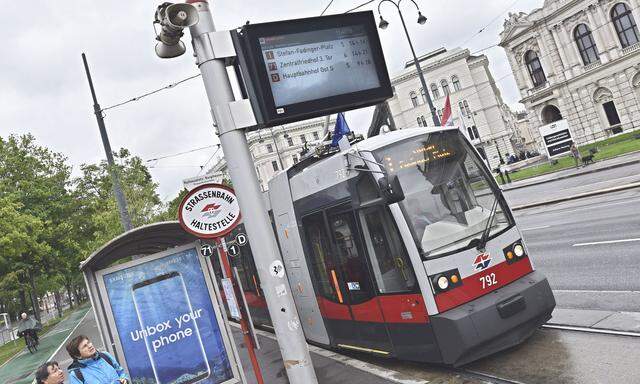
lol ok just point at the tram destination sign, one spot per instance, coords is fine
(300, 69)
(209, 211)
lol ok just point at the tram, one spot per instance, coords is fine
(402, 246)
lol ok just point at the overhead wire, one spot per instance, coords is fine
(181, 153)
(205, 164)
(327, 7)
(138, 98)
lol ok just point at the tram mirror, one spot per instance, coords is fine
(390, 189)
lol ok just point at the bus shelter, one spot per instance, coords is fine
(158, 307)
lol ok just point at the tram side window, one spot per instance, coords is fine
(389, 260)
(351, 255)
(321, 261)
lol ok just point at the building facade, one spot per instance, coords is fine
(476, 104)
(577, 60)
(278, 148)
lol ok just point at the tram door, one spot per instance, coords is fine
(345, 290)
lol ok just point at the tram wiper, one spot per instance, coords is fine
(482, 242)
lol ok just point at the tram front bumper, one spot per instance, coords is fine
(495, 321)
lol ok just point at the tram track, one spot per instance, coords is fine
(396, 372)
(471, 374)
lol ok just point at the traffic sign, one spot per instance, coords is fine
(206, 250)
(233, 250)
(209, 211)
(241, 239)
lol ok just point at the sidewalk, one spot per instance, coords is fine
(20, 369)
(627, 322)
(615, 162)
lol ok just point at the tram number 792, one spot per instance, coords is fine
(488, 280)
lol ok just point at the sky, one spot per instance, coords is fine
(44, 90)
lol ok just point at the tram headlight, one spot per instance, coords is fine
(443, 282)
(518, 249)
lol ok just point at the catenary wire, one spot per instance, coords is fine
(325, 8)
(181, 153)
(137, 98)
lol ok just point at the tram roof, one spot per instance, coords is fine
(378, 141)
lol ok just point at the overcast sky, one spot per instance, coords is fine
(44, 91)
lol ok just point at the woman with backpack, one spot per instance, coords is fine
(91, 366)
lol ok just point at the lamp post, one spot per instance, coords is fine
(275, 143)
(421, 20)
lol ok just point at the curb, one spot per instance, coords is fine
(578, 196)
(612, 166)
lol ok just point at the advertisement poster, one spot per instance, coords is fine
(166, 322)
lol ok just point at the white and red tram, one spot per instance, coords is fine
(403, 246)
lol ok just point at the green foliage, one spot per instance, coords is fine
(50, 222)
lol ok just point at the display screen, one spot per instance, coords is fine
(295, 70)
(317, 64)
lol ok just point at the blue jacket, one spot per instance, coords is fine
(96, 370)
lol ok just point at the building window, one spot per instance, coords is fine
(269, 148)
(419, 122)
(414, 98)
(424, 121)
(295, 159)
(440, 115)
(445, 87)
(456, 83)
(625, 25)
(473, 132)
(535, 68)
(424, 95)
(290, 141)
(461, 106)
(315, 135)
(303, 139)
(434, 91)
(586, 44)
(466, 109)
(274, 164)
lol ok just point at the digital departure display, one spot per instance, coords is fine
(309, 65)
(299, 69)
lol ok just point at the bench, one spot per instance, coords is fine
(587, 159)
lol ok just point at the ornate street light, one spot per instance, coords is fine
(421, 20)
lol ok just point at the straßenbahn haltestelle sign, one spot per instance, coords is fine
(209, 211)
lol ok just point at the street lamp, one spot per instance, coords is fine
(421, 20)
(275, 143)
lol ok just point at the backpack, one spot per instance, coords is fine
(76, 365)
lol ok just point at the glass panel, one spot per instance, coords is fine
(389, 261)
(351, 256)
(448, 196)
(320, 260)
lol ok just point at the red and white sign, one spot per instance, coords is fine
(209, 211)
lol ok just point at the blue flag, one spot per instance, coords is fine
(341, 129)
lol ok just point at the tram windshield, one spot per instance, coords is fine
(448, 195)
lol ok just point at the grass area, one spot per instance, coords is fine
(608, 148)
(10, 349)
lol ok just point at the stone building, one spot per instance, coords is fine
(476, 103)
(277, 148)
(579, 61)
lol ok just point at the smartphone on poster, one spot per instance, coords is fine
(176, 354)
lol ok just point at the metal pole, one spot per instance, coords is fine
(434, 116)
(275, 143)
(286, 323)
(244, 326)
(117, 189)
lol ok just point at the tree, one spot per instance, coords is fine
(170, 212)
(34, 186)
